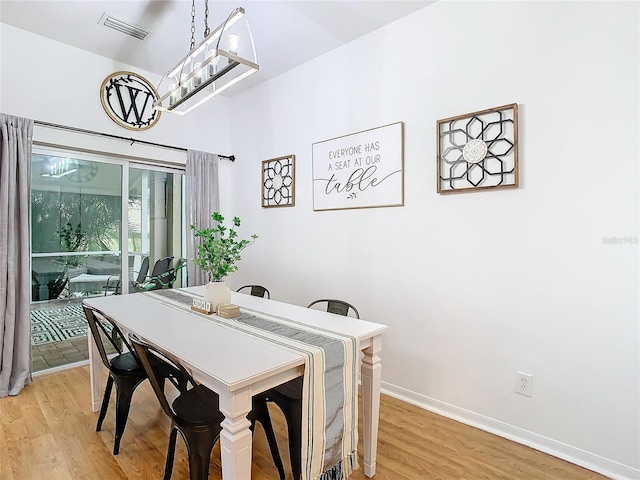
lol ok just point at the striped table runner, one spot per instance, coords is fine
(329, 400)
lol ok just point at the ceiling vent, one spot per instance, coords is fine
(122, 26)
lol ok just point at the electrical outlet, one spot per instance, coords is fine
(524, 383)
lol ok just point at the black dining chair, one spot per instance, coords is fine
(124, 370)
(339, 307)
(195, 413)
(256, 290)
(288, 396)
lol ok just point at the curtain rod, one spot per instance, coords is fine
(118, 137)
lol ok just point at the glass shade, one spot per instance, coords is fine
(208, 69)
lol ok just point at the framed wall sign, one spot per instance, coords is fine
(279, 182)
(478, 150)
(128, 99)
(360, 170)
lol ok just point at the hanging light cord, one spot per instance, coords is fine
(206, 17)
(193, 25)
(193, 29)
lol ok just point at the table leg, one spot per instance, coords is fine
(95, 374)
(236, 438)
(371, 378)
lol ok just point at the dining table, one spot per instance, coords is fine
(238, 366)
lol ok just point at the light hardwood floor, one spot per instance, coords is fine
(48, 433)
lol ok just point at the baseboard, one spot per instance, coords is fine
(590, 461)
(61, 368)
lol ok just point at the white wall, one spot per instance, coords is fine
(476, 286)
(53, 82)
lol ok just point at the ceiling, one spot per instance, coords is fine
(286, 33)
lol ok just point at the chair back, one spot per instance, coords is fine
(257, 290)
(180, 264)
(161, 266)
(102, 328)
(160, 275)
(339, 307)
(144, 269)
(159, 364)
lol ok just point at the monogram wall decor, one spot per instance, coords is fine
(128, 99)
(478, 150)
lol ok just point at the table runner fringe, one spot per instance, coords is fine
(342, 469)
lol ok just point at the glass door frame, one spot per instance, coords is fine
(166, 169)
(125, 164)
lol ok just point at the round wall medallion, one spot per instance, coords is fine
(128, 99)
(474, 151)
(278, 181)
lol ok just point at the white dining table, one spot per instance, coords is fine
(238, 366)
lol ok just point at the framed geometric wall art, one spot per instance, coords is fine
(478, 150)
(278, 182)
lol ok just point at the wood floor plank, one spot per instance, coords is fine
(48, 432)
(47, 461)
(6, 470)
(19, 448)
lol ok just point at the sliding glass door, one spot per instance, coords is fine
(155, 226)
(76, 212)
(85, 208)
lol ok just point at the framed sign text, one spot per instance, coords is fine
(360, 170)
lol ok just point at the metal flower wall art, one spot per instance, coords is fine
(478, 150)
(278, 182)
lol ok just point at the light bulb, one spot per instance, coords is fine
(173, 97)
(234, 43)
(211, 54)
(197, 79)
(184, 84)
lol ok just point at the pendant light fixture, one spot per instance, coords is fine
(60, 167)
(225, 56)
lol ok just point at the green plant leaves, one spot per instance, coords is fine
(219, 250)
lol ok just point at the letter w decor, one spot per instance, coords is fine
(128, 99)
(360, 170)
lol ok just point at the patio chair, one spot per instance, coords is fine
(168, 278)
(115, 287)
(161, 276)
(181, 263)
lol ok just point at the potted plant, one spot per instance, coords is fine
(73, 240)
(217, 255)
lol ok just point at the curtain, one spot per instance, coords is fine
(16, 135)
(202, 200)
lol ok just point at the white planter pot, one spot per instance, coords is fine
(217, 293)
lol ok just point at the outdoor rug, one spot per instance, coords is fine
(57, 324)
